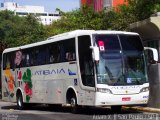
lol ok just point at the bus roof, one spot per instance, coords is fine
(67, 35)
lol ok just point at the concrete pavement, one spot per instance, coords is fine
(139, 108)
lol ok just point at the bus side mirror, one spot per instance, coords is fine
(95, 52)
(154, 51)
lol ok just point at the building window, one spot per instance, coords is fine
(2, 4)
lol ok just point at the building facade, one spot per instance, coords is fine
(116, 3)
(99, 5)
(44, 17)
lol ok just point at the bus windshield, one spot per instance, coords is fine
(121, 60)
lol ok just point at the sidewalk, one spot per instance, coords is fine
(144, 109)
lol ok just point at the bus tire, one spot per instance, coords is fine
(116, 109)
(20, 103)
(74, 106)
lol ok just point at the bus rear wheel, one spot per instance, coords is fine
(20, 103)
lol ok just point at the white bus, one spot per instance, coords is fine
(78, 68)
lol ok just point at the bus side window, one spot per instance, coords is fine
(4, 61)
(69, 45)
(53, 53)
(40, 56)
(8, 61)
(32, 57)
(62, 53)
(26, 58)
(70, 56)
(18, 59)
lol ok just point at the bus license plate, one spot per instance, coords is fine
(126, 99)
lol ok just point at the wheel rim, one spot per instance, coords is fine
(73, 102)
(19, 101)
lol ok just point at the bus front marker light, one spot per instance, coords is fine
(104, 90)
(144, 89)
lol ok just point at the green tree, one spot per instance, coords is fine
(83, 18)
(30, 30)
(15, 30)
(114, 19)
(142, 9)
(135, 10)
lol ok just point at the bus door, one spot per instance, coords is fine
(86, 69)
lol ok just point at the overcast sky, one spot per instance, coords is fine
(50, 5)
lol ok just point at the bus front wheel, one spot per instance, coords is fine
(116, 109)
(74, 106)
(20, 103)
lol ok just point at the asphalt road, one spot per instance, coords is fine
(9, 111)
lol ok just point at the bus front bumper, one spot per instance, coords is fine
(103, 99)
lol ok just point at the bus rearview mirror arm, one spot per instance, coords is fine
(154, 51)
(95, 52)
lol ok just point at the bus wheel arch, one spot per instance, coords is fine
(71, 98)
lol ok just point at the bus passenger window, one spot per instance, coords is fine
(32, 58)
(51, 59)
(40, 56)
(8, 61)
(4, 61)
(69, 46)
(70, 56)
(18, 58)
(27, 59)
(62, 51)
(53, 53)
(62, 54)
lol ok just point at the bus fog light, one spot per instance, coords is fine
(104, 90)
(146, 89)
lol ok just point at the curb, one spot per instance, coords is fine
(144, 109)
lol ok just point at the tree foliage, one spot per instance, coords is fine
(15, 30)
(142, 9)
(115, 19)
(135, 10)
(83, 18)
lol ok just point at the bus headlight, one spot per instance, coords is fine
(146, 89)
(104, 90)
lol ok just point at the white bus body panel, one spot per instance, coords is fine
(49, 83)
